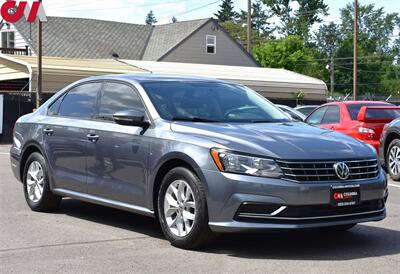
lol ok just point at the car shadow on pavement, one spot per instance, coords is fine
(110, 216)
(363, 241)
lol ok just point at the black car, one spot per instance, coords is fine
(389, 151)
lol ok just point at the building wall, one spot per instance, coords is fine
(19, 40)
(193, 50)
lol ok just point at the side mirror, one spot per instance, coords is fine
(131, 118)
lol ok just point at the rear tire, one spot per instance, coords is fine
(36, 185)
(182, 209)
(393, 160)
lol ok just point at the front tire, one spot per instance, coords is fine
(393, 160)
(182, 209)
(36, 185)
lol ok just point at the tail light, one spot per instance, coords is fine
(366, 133)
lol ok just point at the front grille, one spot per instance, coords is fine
(323, 171)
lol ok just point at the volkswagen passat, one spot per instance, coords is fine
(200, 155)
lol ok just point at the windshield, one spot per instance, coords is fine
(354, 109)
(211, 102)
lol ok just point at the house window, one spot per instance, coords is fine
(8, 39)
(211, 41)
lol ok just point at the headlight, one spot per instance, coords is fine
(249, 165)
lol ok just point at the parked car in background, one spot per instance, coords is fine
(306, 110)
(294, 114)
(200, 155)
(389, 151)
(363, 120)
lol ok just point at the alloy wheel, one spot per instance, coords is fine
(35, 181)
(179, 208)
(394, 160)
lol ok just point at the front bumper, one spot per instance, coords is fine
(228, 192)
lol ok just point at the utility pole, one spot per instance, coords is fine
(355, 52)
(332, 74)
(39, 61)
(249, 26)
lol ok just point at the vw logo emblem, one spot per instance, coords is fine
(342, 170)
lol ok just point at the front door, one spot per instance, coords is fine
(117, 170)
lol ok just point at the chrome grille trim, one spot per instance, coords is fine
(323, 171)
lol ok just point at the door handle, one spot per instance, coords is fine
(93, 138)
(48, 131)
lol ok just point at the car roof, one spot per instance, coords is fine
(147, 77)
(356, 103)
(307, 106)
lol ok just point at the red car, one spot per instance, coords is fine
(363, 120)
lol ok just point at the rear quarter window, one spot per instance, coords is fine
(355, 109)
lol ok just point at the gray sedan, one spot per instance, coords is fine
(200, 155)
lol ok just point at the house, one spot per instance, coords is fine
(201, 41)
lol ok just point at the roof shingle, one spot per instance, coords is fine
(98, 39)
(88, 38)
(165, 37)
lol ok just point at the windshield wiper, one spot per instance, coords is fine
(194, 119)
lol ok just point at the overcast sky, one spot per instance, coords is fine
(134, 11)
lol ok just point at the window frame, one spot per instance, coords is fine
(323, 118)
(7, 32)
(64, 94)
(211, 45)
(134, 89)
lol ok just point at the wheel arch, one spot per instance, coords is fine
(29, 148)
(170, 161)
(389, 138)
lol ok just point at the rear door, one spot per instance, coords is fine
(65, 136)
(117, 170)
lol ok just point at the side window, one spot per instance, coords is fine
(53, 109)
(80, 101)
(332, 115)
(118, 97)
(316, 117)
(211, 41)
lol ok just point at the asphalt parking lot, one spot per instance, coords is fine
(87, 238)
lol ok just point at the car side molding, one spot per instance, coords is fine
(102, 201)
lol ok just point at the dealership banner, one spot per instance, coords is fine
(1, 114)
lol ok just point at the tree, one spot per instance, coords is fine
(290, 53)
(150, 18)
(259, 19)
(174, 20)
(377, 53)
(226, 12)
(328, 38)
(239, 32)
(297, 22)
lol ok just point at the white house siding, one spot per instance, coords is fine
(193, 50)
(19, 40)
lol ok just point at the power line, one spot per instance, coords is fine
(197, 8)
(130, 6)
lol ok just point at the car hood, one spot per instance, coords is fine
(288, 141)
